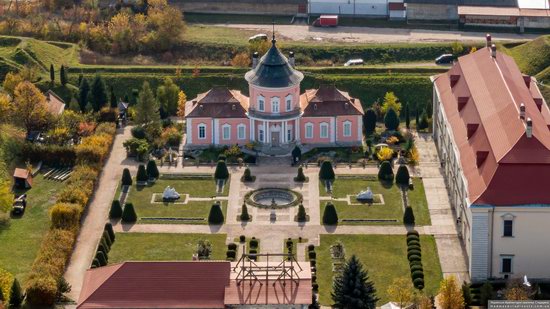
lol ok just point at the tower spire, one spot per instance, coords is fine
(273, 40)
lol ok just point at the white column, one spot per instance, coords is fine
(216, 131)
(189, 126)
(213, 139)
(297, 130)
(359, 128)
(252, 130)
(283, 133)
(267, 132)
(332, 129)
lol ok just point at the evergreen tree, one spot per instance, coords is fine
(326, 172)
(296, 154)
(129, 213)
(402, 176)
(300, 177)
(16, 295)
(408, 216)
(152, 170)
(407, 116)
(301, 216)
(216, 215)
(353, 289)
(101, 257)
(391, 120)
(126, 177)
(244, 213)
(466, 294)
(221, 171)
(63, 75)
(486, 293)
(147, 108)
(314, 302)
(80, 78)
(385, 173)
(204, 249)
(370, 121)
(98, 93)
(247, 175)
(116, 210)
(52, 74)
(330, 216)
(423, 124)
(141, 174)
(83, 90)
(110, 230)
(74, 106)
(417, 117)
(167, 95)
(113, 100)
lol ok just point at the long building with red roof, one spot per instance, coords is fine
(492, 130)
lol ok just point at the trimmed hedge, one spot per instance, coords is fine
(415, 257)
(116, 210)
(402, 176)
(231, 254)
(142, 174)
(232, 246)
(414, 242)
(253, 243)
(413, 252)
(216, 215)
(412, 237)
(416, 267)
(111, 231)
(330, 216)
(385, 173)
(129, 214)
(413, 232)
(417, 274)
(419, 283)
(65, 216)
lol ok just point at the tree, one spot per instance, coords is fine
(204, 249)
(353, 289)
(391, 120)
(152, 170)
(126, 177)
(83, 91)
(450, 294)
(425, 302)
(516, 290)
(486, 293)
(408, 216)
(466, 293)
(326, 172)
(129, 214)
(401, 291)
(110, 231)
(141, 174)
(221, 171)
(63, 75)
(168, 97)
(147, 108)
(115, 212)
(457, 48)
(370, 121)
(423, 124)
(216, 215)
(182, 99)
(16, 295)
(52, 74)
(241, 60)
(300, 177)
(301, 216)
(247, 175)
(330, 216)
(113, 100)
(402, 176)
(244, 213)
(385, 173)
(11, 81)
(98, 94)
(391, 102)
(416, 117)
(296, 154)
(30, 107)
(407, 116)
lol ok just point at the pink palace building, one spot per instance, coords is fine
(275, 115)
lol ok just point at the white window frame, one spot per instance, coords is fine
(288, 102)
(202, 127)
(323, 125)
(261, 135)
(261, 103)
(507, 217)
(228, 127)
(243, 128)
(309, 130)
(289, 134)
(347, 128)
(275, 102)
(502, 258)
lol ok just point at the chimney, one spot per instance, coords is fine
(538, 101)
(291, 59)
(454, 79)
(194, 102)
(488, 40)
(462, 102)
(522, 111)
(529, 128)
(481, 156)
(352, 100)
(255, 60)
(493, 50)
(472, 128)
(527, 80)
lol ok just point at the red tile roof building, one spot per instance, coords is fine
(492, 130)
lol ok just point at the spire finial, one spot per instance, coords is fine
(273, 40)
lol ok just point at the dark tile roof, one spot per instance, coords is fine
(329, 101)
(218, 102)
(506, 3)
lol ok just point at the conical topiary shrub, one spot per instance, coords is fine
(296, 154)
(16, 295)
(408, 216)
(330, 217)
(247, 175)
(152, 170)
(301, 216)
(141, 174)
(221, 170)
(110, 230)
(126, 177)
(101, 257)
(216, 215)
(116, 210)
(391, 120)
(129, 214)
(402, 176)
(385, 173)
(326, 172)
(244, 213)
(300, 177)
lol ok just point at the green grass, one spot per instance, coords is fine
(532, 57)
(21, 240)
(163, 247)
(392, 208)
(385, 258)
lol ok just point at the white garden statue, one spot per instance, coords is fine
(365, 195)
(170, 194)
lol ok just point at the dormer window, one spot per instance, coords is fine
(275, 104)
(261, 103)
(288, 101)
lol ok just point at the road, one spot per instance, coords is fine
(375, 35)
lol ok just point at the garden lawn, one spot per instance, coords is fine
(385, 258)
(20, 242)
(163, 247)
(393, 205)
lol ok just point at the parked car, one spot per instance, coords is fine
(258, 37)
(326, 21)
(19, 205)
(352, 62)
(444, 59)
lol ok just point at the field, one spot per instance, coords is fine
(385, 258)
(163, 247)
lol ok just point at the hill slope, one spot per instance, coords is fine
(534, 56)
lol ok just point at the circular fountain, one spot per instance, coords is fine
(273, 198)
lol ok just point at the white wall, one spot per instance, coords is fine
(346, 7)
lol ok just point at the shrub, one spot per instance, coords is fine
(101, 257)
(300, 177)
(110, 230)
(419, 283)
(412, 237)
(385, 173)
(16, 295)
(4, 220)
(216, 215)
(231, 254)
(93, 149)
(129, 214)
(247, 175)
(402, 176)
(414, 243)
(102, 248)
(408, 216)
(424, 123)
(116, 210)
(152, 170)
(141, 174)
(414, 247)
(310, 247)
(221, 170)
(312, 255)
(330, 217)
(107, 238)
(391, 120)
(242, 238)
(415, 258)
(106, 128)
(95, 263)
(65, 216)
(107, 114)
(301, 216)
(296, 154)
(252, 251)
(41, 290)
(313, 262)
(417, 274)
(370, 121)
(315, 287)
(253, 243)
(171, 137)
(232, 246)
(384, 154)
(244, 213)
(413, 252)
(138, 132)
(326, 172)
(416, 267)
(126, 177)
(75, 195)
(413, 232)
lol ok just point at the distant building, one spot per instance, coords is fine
(261, 7)
(492, 131)
(56, 105)
(275, 114)
(22, 178)
(373, 8)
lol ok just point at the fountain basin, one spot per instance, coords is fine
(273, 198)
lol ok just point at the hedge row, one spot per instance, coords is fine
(104, 246)
(414, 255)
(47, 270)
(6, 281)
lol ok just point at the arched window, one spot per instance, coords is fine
(275, 104)
(241, 131)
(309, 130)
(226, 131)
(202, 131)
(347, 128)
(323, 130)
(288, 102)
(261, 103)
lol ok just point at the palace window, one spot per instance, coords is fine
(261, 135)
(202, 131)
(324, 130)
(275, 104)
(288, 101)
(309, 130)
(506, 264)
(241, 131)
(289, 135)
(347, 128)
(226, 131)
(508, 225)
(261, 103)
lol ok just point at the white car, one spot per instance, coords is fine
(354, 62)
(258, 37)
